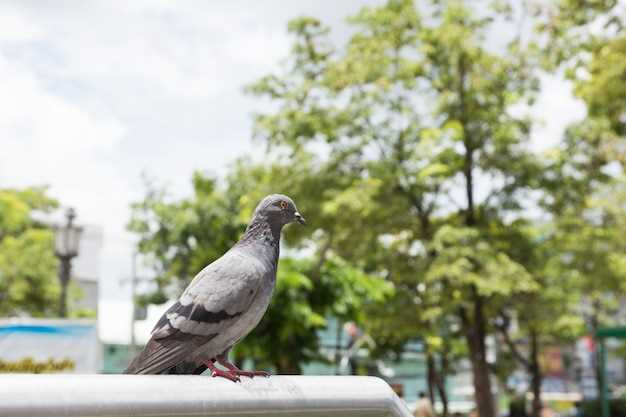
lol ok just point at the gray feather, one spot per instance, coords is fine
(160, 355)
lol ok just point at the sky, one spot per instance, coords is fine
(95, 94)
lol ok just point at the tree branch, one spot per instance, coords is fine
(504, 331)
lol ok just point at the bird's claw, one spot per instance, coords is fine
(239, 372)
(225, 374)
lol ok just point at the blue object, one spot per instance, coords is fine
(72, 329)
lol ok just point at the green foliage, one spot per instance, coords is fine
(307, 293)
(574, 27)
(594, 242)
(588, 40)
(465, 262)
(178, 238)
(28, 267)
(585, 173)
(604, 90)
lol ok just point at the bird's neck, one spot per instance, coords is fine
(261, 231)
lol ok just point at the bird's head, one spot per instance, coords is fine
(278, 209)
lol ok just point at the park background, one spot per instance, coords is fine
(461, 166)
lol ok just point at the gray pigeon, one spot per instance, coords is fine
(223, 303)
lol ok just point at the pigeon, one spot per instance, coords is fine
(223, 303)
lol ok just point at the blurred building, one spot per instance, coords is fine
(86, 268)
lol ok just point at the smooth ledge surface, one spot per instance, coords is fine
(173, 395)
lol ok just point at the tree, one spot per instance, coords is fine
(479, 281)
(574, 30)
(410, 114)
(586, 172)
(549, 316)
(28, 267)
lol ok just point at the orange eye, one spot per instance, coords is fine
(283, 205)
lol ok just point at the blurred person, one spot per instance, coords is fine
(353, 336)
(356, 339)
(423, 407)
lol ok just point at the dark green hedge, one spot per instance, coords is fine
(517, 407)
(591, 408)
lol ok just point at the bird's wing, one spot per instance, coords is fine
(216, 298)
(159, 355)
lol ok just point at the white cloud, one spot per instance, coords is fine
(17, 26)
(32, 113)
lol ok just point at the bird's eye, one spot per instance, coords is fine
(283, 205)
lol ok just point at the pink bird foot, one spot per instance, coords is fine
(215, 371)
(235, 370)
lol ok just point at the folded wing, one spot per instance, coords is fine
(214, 301)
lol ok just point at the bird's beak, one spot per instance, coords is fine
(299, 218)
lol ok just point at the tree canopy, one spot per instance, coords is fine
(28, 267)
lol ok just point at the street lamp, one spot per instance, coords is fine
(66, 240)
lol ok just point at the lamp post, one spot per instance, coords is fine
(66, 240)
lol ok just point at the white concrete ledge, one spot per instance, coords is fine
(173, 395)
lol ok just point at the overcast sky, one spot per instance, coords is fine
(93, 94)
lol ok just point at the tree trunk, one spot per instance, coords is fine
(441, 381)
(430, 376)
(482, 383)
(443, 397)
(468, 163)
(475, 333)
(594, 321)
(475, 328)
(468, 144)
(436, 380)
(535, 374)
